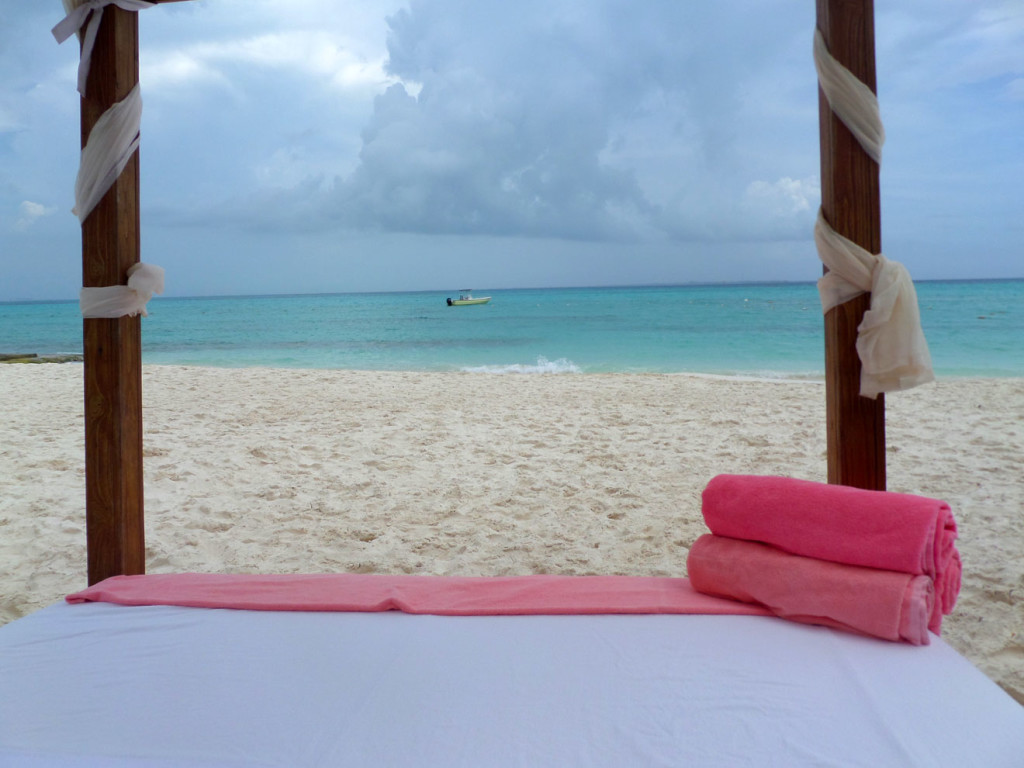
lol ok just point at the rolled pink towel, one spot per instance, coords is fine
(888, 604)
(877, 529)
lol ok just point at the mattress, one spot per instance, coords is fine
(97, 684)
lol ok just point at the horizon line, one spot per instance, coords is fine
(694, 284)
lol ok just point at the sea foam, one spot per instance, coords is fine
(543, 366)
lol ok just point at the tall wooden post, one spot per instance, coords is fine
(850, 202)
(113, 348)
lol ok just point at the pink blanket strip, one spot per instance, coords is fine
(877, 529)
(441, 595)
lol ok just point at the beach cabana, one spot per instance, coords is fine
(329, 670)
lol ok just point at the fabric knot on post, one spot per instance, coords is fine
(890, 343)
(124, 300)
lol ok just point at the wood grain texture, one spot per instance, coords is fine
(112, 347)
(850, 201)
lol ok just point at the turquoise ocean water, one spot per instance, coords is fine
(974, 328)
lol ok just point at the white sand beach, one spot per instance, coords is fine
(263, 470)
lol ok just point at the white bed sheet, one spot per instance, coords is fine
(107, 685)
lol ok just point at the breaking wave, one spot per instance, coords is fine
(543, 366)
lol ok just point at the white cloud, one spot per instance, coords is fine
(783, 198)
(316, 56)
(30, 212)
(995, 38)
(538, 119)
(783, 209)
(543, 119)
(645, 124)
(179, 68)
(966, 44)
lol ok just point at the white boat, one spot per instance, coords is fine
(466, 298)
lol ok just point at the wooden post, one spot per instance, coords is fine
(850, 202)
(113, 348)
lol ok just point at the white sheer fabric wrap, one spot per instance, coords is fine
(120, 300)
(890, 343)
(852, 101)
(88, 13)
(111, 143)
(115, 136)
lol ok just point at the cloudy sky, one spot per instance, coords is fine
(293, 146)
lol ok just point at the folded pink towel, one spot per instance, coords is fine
(887, 604)
(890, 531)
(443, 595)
